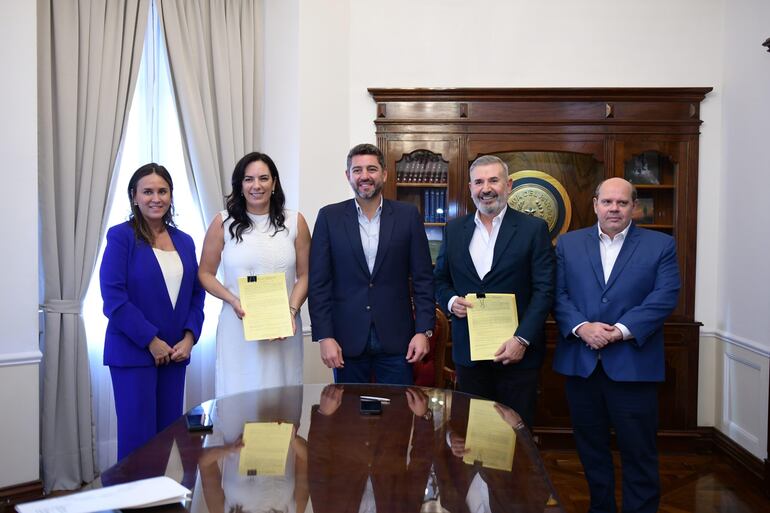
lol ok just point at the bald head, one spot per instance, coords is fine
(614, 203)
(618, 182)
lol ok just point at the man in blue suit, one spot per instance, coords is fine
(497, 249)
(616, 284)
(363, 254)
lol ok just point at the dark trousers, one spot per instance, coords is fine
(147, 399)
(515, 388)
(374, 363)
(597, 404)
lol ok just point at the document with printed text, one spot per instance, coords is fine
(266, 303)
(489, 440)
(265, 448)
(492, 320)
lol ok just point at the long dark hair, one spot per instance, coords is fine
(236, 203)
(141, 227)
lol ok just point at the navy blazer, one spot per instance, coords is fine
(641, 292)
(136, 300)
(522, 264)
(345, 298)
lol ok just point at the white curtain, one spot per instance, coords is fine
(89, 52)
(215, 59)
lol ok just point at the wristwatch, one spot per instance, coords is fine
(428, 333)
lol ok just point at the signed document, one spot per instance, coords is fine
(489, 440)
(492, 320)
(266, 303)
(265, 448)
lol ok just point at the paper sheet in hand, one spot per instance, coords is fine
(265, 448)
(144, 493)
(489, 439)
(266, 304)
(492, 320)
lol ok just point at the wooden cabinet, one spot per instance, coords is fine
(574, 138)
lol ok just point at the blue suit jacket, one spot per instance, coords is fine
(136, 300)
(522, 264)
(345, 298)
(641, 292)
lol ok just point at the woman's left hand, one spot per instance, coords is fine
(183, 348)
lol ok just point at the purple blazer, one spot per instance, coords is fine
(136, 300)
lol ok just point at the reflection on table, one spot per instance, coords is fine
(412, 457)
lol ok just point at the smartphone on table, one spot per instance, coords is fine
(198, 420)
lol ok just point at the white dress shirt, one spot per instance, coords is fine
(370, 233)
(482, 246)
(609, 248)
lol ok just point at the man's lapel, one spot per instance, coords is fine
(354, 234)
(629, 246)
(594, 255)
(386, 230)
(467, 234)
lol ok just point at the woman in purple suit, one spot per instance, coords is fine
(154, 303)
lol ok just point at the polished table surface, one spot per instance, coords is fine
(409, 458)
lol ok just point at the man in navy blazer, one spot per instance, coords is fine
(363, 254)
(616, 284)
(497, 249)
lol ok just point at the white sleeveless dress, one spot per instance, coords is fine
(247, 365)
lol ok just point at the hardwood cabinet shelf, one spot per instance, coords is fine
(657, 226)
(570, 140)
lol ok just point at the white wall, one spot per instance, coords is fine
(281, 114)
(741, 342)
(19, 354)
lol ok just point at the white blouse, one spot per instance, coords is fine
(172, 269)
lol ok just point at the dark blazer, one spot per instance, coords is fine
(641, 292)
(522, 264)
(136, 300)
(344, 298)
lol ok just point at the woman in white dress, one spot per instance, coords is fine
(255, 235)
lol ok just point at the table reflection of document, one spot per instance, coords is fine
(492, 320)
(489, 440)
(266, 303)
(265, 448)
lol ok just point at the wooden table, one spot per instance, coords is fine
(407, 459)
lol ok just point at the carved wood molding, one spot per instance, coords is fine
(691, 94)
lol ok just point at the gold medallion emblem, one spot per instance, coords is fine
(536, 201)
(541, 195)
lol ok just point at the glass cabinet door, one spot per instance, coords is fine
(424, 173)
